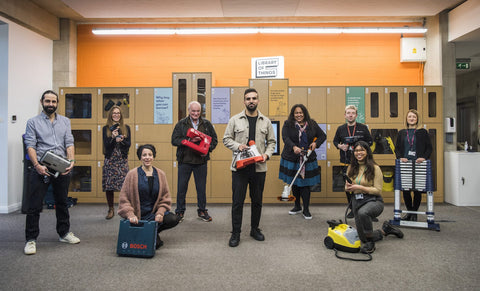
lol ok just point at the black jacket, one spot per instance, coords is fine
(361, 133)
(186, 154)
(109, 143)
(423, 145)
(290, 139)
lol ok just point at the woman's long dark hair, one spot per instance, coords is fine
(369, 163)
(306, 115)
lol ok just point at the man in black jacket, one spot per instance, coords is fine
(191, 161)
(347, 135)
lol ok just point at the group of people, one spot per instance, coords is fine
(144, 192)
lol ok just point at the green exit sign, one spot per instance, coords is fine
(463, 66)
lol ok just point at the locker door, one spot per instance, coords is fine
(413, 99)
(335, 104)
(79, 104)
(317, 103)
(394, 103)
(122, 97)
(432, 104)
(374, 105)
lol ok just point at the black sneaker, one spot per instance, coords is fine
(389, 229)
(234, 239)
(295, 210)
(368, 247)
(306, 214)
(257, 234)
(407, 217)
(158, 243)
(180, 216)
(203, 215)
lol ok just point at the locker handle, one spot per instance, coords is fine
(463, 180)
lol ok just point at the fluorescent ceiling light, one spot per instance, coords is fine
(253, 30)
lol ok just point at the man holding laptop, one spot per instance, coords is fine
(48, 132)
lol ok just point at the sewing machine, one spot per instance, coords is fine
(201, 147)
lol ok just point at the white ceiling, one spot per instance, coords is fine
(259, 11)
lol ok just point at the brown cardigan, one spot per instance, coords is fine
(129, 199)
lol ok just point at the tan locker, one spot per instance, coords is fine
(432, 104)
(394, 104)
(317, 103)
(165, 151)
(297, 95)
(79, 104)
(435, 130)
(335, 104)
(144, 105)
(122, 97)
(334, 182)
(221, 152)
(202, 89)
(384, 137)
(273, 185)
(332, 152)
(221, 182)
(413, 98)
(236, 100)
(278, 97)
(261, 85)
(85, 140)
(188, 87)
(319, 192)
(84, 181)
(374, 105)
(132, 153)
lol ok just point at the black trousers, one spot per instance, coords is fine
(412, 204)
(255, 182)
(37, 189)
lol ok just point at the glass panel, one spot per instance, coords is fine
(374, 104)
(81, 179)
(393, 104)
(338, 184)
(432, 104)
(83, 141)
(201, 95)
(384, 141)
(182, 98)
(317, 187)
(78, 105)
(119, 99)
(388, 178)
(412, 100)
(433, 139)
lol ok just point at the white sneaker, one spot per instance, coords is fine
(70, 238)
(30, 248)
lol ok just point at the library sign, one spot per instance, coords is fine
(268, 68)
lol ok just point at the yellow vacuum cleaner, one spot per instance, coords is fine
(343, 237)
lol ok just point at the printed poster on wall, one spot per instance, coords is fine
(322, 150)
(220, 105)
(278, 97)
(163, 106)
(356, 96)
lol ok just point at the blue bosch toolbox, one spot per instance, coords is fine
(137, 240)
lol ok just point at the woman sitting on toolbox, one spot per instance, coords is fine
(145, 194)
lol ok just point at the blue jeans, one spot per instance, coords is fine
(200, 176)
(256, 182)
(37, 190)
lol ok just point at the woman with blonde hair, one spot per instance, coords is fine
(413, 144)
(116, 143)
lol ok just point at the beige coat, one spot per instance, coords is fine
(129, 199)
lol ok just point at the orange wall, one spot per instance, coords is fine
(310, 60)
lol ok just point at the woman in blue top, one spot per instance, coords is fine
(298, 133)
(413, 144)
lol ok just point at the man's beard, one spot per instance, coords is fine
(49, 109)
(252, 109)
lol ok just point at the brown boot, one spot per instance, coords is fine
(110, 213)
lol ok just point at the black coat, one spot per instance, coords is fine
(109, 143)
(423, 145)
(290, 139)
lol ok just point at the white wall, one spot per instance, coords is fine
(29, 75)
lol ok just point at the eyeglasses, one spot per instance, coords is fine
(361, 150)
(116, 113)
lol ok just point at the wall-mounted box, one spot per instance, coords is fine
(413, 49)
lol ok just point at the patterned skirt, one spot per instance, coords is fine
(114, 171)
(288, 170)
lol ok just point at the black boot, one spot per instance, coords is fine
(389, 229)
(306, 202)
(234, 239)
